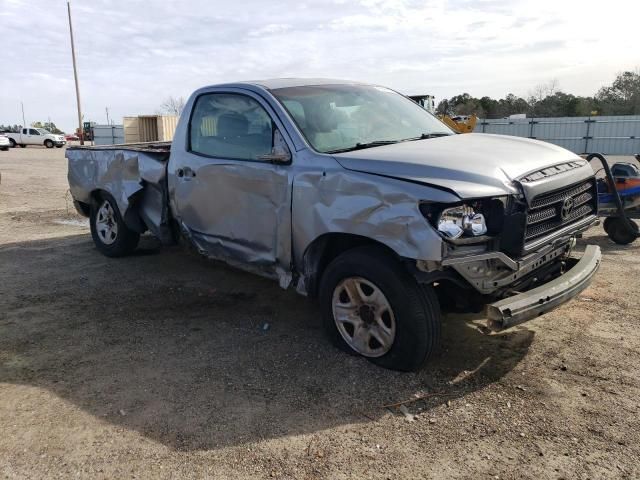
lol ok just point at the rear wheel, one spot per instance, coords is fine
(109, 232)
(372, 307)
(22, 145)
(12, 142)
(48, 143)
(618, 231)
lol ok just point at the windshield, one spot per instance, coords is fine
(43, 131)
(337, 118)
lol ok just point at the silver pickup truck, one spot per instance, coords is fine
(355, 195)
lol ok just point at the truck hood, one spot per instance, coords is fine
(470, 165)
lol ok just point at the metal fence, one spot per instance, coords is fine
(108, 134)
(615, 135)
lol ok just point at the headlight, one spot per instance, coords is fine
(461, 220)
(469, 219)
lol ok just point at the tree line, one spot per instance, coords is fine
(622, 97)
(50, 126)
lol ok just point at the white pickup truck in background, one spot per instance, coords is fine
(36, 136)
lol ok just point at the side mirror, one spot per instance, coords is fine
(280, 153)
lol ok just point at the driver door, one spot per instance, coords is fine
(31, 136)
(231, 193)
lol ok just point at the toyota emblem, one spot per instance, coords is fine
(567, 207)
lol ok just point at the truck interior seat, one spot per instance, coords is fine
(232, 125)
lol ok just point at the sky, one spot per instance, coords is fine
(134, 54)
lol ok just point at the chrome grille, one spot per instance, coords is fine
(551, 198)
(551, 211)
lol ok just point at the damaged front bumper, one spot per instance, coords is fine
(525, 306)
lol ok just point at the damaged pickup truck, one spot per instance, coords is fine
(355, 195)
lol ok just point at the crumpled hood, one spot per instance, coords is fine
(471, 165)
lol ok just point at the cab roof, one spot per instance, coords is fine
(275, 83)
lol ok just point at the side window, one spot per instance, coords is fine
(228, 125)
(25, 131)
(33, 131)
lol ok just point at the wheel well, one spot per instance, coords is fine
(83, 208)
(96, 195)
(327, 247)
(131, 217)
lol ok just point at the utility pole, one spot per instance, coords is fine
(106, 109)
(75, 76)
(24, 122)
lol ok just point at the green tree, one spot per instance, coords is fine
(465, 104)
(50, 126)
(444, 108)
(622, 97)
(10, 128)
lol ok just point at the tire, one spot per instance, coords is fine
(607, 224)
(12, 142)
(4, 149)
(409, 321)
(48, 143)
(109, 232)
(619, 233)
(22, 145)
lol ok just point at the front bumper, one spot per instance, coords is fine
(525, 306)
(59, 142)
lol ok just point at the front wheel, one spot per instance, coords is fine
(109, 232)
(371, 306)
(618, 231)
(48, 143)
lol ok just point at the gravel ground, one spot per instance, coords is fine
(165, 365)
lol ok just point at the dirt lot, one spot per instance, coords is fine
(164, 365)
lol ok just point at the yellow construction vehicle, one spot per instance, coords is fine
(460, 123)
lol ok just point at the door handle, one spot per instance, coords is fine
(185, 173)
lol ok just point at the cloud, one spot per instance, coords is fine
(133, 54)
(270, 29)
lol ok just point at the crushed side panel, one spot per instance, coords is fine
(123, 174)
(383, 209)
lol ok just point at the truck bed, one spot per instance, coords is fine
(158, 147)
(134, 174)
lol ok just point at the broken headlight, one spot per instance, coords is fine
(461, 220)
(469, 219)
